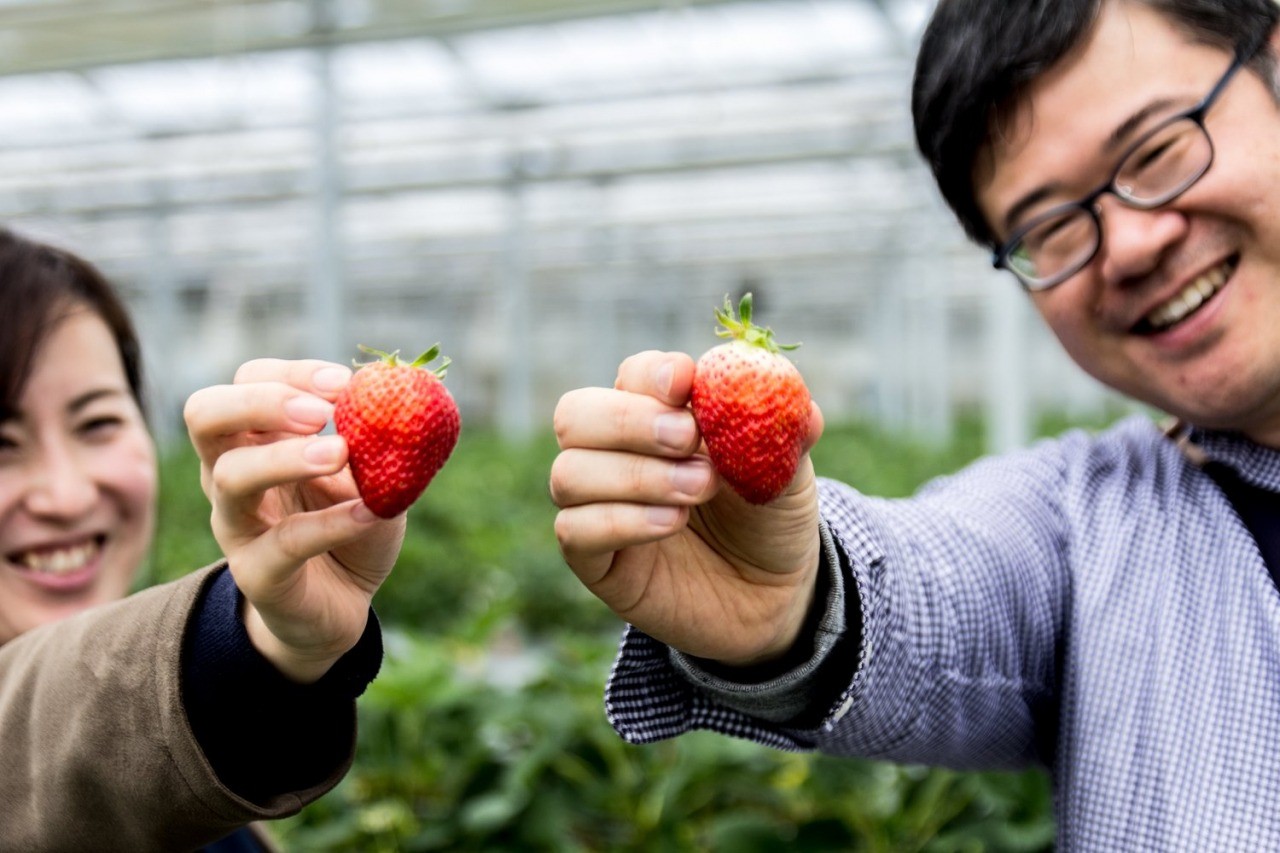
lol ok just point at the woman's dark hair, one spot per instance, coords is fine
(39, 286)
(978, 57)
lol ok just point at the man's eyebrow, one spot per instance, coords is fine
(1028, 201)
(1114, 141)
(1130, 125)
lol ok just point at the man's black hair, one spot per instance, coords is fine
(978, 57)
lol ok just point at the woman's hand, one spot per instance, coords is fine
(306, 553)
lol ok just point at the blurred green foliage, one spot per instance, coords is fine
(486, 729)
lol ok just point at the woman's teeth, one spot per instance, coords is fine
(1190, 299)
(60, 561)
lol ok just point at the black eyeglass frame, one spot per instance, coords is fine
(1196, 114)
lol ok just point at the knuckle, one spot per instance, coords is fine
(222, 478)
(620, 379)
(612, 525)
(557, 482)
(289, 541)
(637, 474)
(565, 530)
(562, 418)
(193, 409)
(255, 368)
(632, 367)
(624, 414)
(221, 533)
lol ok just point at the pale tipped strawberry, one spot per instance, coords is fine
(751, 405)
(401, 423)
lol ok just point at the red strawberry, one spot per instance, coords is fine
(752, 407)
(401, 424)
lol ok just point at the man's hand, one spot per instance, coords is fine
(306, 553)
(646, 526)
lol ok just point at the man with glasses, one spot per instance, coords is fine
(1105, 606)
(1157, 167)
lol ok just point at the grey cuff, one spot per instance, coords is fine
(785, 696)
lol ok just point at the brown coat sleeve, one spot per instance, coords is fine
(95, 749)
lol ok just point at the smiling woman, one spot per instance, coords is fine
(77, 465)
(173, 718)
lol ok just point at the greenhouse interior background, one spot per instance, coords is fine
(541, 186)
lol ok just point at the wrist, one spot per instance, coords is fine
(300, 666)
(793, 641)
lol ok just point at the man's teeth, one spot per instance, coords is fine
(60, 562)
(1190, 299)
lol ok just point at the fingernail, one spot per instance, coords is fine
(690, 477)
(665, 376)
(323, 451)
(306, 409)
(330, 378)
(662, 516)
(675, 430)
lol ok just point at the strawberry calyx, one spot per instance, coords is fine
(393, 358)
(739, 327)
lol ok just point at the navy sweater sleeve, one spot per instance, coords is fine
(263, 734)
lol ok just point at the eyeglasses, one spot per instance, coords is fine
(1154, 170)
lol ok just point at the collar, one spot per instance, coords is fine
(1251, 461)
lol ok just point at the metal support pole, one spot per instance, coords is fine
(326, 295)
(1008, 397)
(515, 403)
(891, 376)
(931, 411)
(161, 333)
(601, 305)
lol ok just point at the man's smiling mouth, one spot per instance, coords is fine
(1186, 303)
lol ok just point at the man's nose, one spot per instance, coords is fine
(1134, 241)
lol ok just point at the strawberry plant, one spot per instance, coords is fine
(457, 754)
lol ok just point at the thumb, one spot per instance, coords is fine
(816, 425)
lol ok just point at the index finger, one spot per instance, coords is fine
(609, 419)
(255, 412)
(322, 378)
